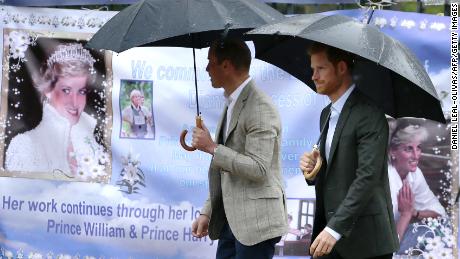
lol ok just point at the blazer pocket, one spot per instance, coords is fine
(267, 192)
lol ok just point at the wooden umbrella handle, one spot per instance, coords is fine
(319, 161)
(198, 122)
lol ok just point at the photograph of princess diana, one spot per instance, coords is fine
(420, 175)
(55, 109)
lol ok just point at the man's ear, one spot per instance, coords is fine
(342, 67)
(226, 63)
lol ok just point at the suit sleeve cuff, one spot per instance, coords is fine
(336, 235)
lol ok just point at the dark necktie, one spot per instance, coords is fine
(223, 128)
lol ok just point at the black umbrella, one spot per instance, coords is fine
(400, 84)
(181, 23)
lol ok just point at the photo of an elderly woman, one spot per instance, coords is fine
(63, 144)
(412, 198)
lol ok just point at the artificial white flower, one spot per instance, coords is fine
(18, 51)
(18, 38)
(85, 160)
(420, 239)
(83, 173)
(444, 253)
(103, 157)
(96, 170)
(449, 240)
(446, 230)
(35, 256)
(433, 243)
(8, 254)
(130, 174)
(430, 255)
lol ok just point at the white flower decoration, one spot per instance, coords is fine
(449, 240)
(430, 255)
(380, 22)
(97, 170)
(423, 24)
(19, 38)
(86, 160)
(8, 254)
(130, 174)
(35, 256)
(437, 26)
(19, 41)
(83, 173)
(102, 157)
(433, 243)
(445, 253)
(407, 23)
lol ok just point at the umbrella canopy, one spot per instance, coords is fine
(385, 70)
(180, 23)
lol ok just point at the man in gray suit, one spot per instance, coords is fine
(353, 215)
(245, 209)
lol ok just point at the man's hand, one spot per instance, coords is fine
(405, 200)
(200, 226)
(308, 161)
(323, 244)
(201, 140)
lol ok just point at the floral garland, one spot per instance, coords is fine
(7, 254)
(81, 22)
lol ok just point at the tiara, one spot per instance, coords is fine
(70, 52)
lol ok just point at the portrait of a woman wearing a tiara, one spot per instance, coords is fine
(63, 143)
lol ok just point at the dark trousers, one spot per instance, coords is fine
(229, 248)
(335, 255)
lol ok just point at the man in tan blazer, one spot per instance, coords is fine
(245, 209)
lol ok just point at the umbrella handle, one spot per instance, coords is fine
(312, 174)
(184, 145)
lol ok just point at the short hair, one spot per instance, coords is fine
(234, 50)
(67, 60)
(406, 133)
(135, 92)
(334, 55)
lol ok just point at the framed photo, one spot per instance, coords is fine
(136, 109)
(419, 162)
(55, 107)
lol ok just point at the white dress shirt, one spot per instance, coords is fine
(336, 109)
(230, 101)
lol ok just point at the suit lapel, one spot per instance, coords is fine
(344, 114)
(238, 107)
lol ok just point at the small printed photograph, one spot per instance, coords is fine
(419, 164)
(300, 219)
(55, 108)
(136, 104)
